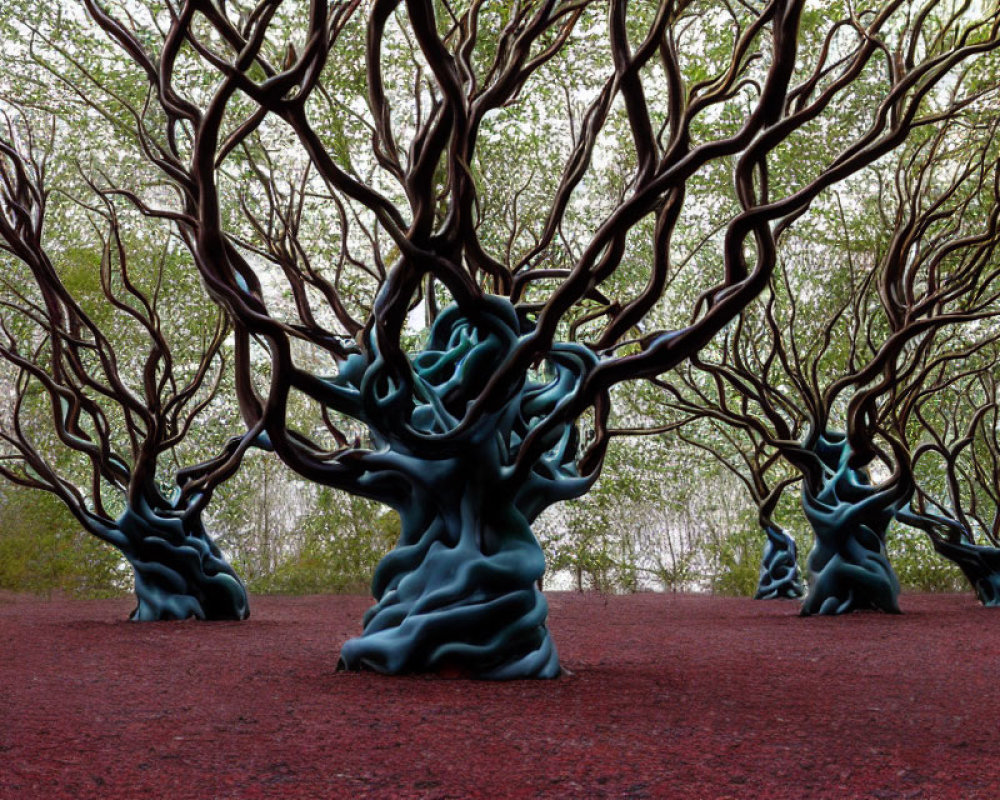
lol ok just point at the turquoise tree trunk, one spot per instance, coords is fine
(848, 566)
(779, 568)
(459, 593)
(179, 570)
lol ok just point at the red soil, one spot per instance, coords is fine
(670, 697)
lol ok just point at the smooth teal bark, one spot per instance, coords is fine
(459, 592)
(179, 570)
(848, 566)
(980, 565)
(779, 569)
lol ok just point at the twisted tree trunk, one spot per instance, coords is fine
(980, 564)
(460, 590)
(779, 569)
(848, 566)
(179, 571)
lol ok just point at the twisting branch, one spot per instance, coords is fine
(122, 411)
(437, 233)
(931, 284)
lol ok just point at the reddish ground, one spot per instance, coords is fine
(670, 697)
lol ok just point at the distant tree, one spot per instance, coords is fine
(118, 406)
(758, 466)
(956, 422)
(907, 318)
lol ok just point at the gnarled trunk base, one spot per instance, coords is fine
(853, 575)
(459, 593)
(179, 570)
(848, 566)
(459, 596)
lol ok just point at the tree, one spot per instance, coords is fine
(117, 406)
(961, 431)
(470, 434)
(901, 317)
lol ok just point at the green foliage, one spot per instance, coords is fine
(43, 550)
(343, 539)
(918, 566)
(649, 523)
(737, 562)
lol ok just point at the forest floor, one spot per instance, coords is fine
(670, 696)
